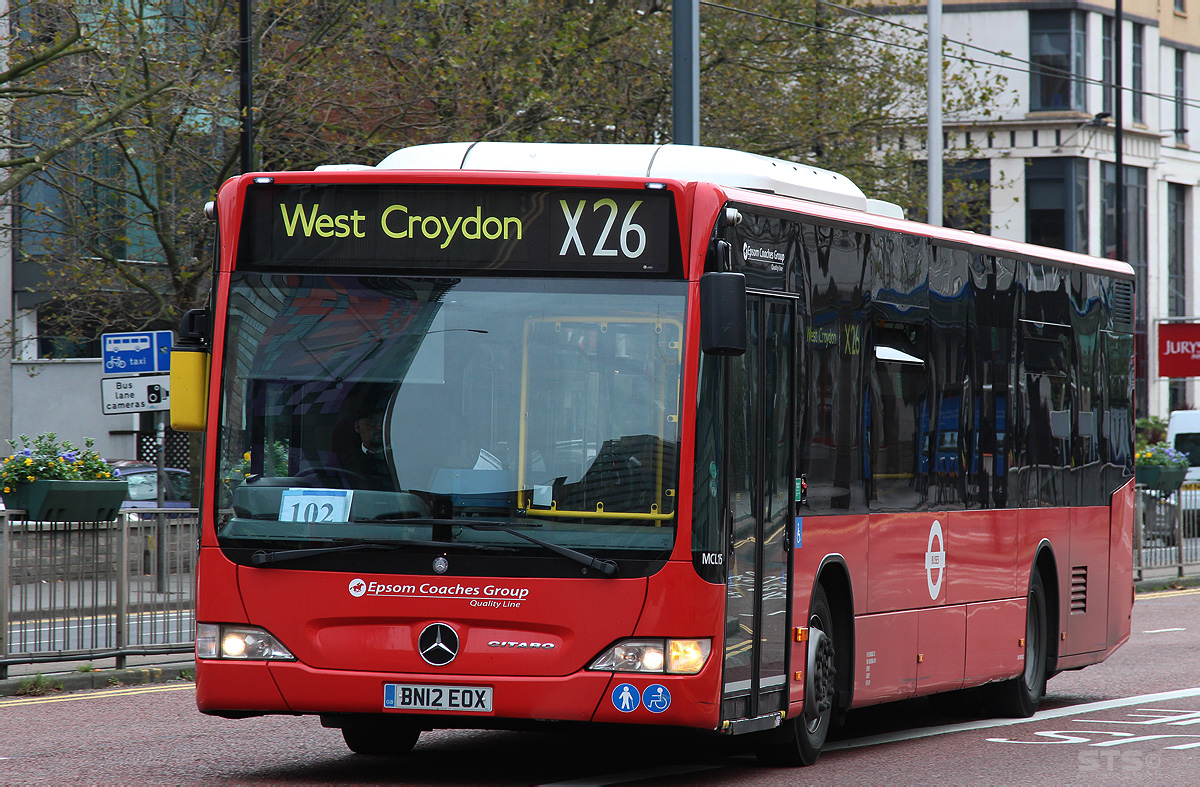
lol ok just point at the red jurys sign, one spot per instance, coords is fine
(1179, 349)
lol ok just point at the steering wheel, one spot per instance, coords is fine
(313, 470)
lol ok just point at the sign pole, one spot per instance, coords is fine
(160, 526)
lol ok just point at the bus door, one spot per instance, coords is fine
(761, 491)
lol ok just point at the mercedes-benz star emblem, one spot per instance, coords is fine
(440, 564)
(438, 644)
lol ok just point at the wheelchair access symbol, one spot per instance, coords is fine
(656, 698)
(626, 698)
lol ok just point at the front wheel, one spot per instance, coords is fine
(1020, 696)
(800, 740)
(380, 739)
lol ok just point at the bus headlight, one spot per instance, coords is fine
(670, 656)
(246, 643)
(687, 656)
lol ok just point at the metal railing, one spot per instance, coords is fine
(1166, 537)
(90, 590)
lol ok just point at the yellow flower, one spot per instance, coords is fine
(7, 490)
(31, 478)
(246, 456)
(28, 461)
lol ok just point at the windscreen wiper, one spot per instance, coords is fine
(606, 567)
(284, 555)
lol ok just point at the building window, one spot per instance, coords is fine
(1106, 56)
(1136, 243)
(1180, 97)
(1139, 74)
(1135, 222)
(1056, 203)
(1177, 293)
(1181, 6)
(1177, 221)
(1057, 46)
(967, 191)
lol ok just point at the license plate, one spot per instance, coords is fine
(418, 696)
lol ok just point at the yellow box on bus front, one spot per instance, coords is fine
(189, 390)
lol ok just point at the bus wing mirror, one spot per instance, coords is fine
(723, 313)
(189, 373)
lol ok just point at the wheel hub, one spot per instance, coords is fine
(818, 686)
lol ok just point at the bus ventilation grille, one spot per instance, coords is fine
(1078, 590)
(1122, 305)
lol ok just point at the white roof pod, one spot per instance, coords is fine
(680, 162)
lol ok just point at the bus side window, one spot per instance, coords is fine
(899, 443)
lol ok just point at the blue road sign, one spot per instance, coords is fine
(137, 353)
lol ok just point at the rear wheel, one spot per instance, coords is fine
(380, 738)
(799, 741)
(1019, 697)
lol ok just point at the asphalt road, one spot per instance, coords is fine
(1135, 718)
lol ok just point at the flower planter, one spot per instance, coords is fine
(69, 501)
(1163, 478)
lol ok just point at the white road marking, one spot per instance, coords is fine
(986, 724)
(1162, 631)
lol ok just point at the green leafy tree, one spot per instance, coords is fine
(114, 224)
(117, 223)
(44, 38)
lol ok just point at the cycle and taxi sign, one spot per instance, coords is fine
(137, 353)
(137, 371)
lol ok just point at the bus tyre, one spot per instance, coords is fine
(380, 739)
(799, 740)
(1020, 697)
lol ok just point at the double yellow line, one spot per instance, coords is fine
(124, 691)
(1168, 594)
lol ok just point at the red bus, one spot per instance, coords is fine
(507, 434)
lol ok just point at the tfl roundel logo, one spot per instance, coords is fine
(935, 560)
(357, 587)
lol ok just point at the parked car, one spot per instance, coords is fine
(1183, 433)
(143, 485)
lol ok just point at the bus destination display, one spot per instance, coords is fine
(541, 230)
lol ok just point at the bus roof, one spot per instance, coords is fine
(762, 179)
(686, 163)
(988, 244)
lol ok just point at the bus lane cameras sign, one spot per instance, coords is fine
(144, 393)
(137, 372)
